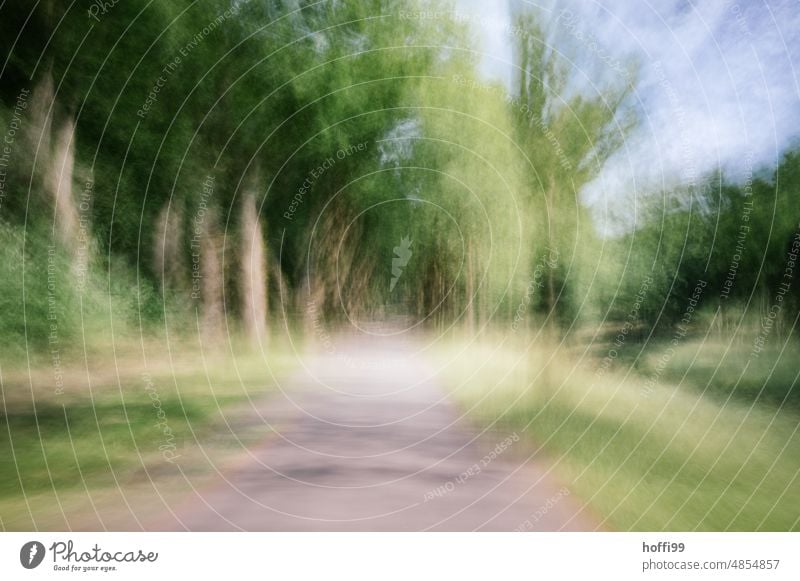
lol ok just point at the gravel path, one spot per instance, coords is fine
(364, 439)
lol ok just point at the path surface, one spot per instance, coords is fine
(365, 439)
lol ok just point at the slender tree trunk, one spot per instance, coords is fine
(470, 314)
(551, 287)
(212, 311)
(253, 273)
(167, 255)
(59, 183)
(40, 114)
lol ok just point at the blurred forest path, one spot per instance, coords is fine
(363, 438)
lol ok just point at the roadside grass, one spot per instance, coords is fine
(660, 458)
(120, 422)
(731, 369)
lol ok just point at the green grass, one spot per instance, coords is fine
(85, 444)
(723, 369)
(665, 459)
(58, 447)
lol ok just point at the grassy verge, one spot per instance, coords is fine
(646, 453)
(730, 369)
(151, 419)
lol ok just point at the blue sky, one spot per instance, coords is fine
(717, 86)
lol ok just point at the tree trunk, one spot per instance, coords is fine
(58, 181)
(39, 128)
(253, 273)
(168, 259)
(470, 313)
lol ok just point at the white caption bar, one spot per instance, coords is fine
(400, 556)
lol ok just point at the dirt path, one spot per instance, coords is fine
(365, 439)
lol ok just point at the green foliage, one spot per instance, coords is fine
(566, 137)
(486, 181)
(737, 237)
(38, 302)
